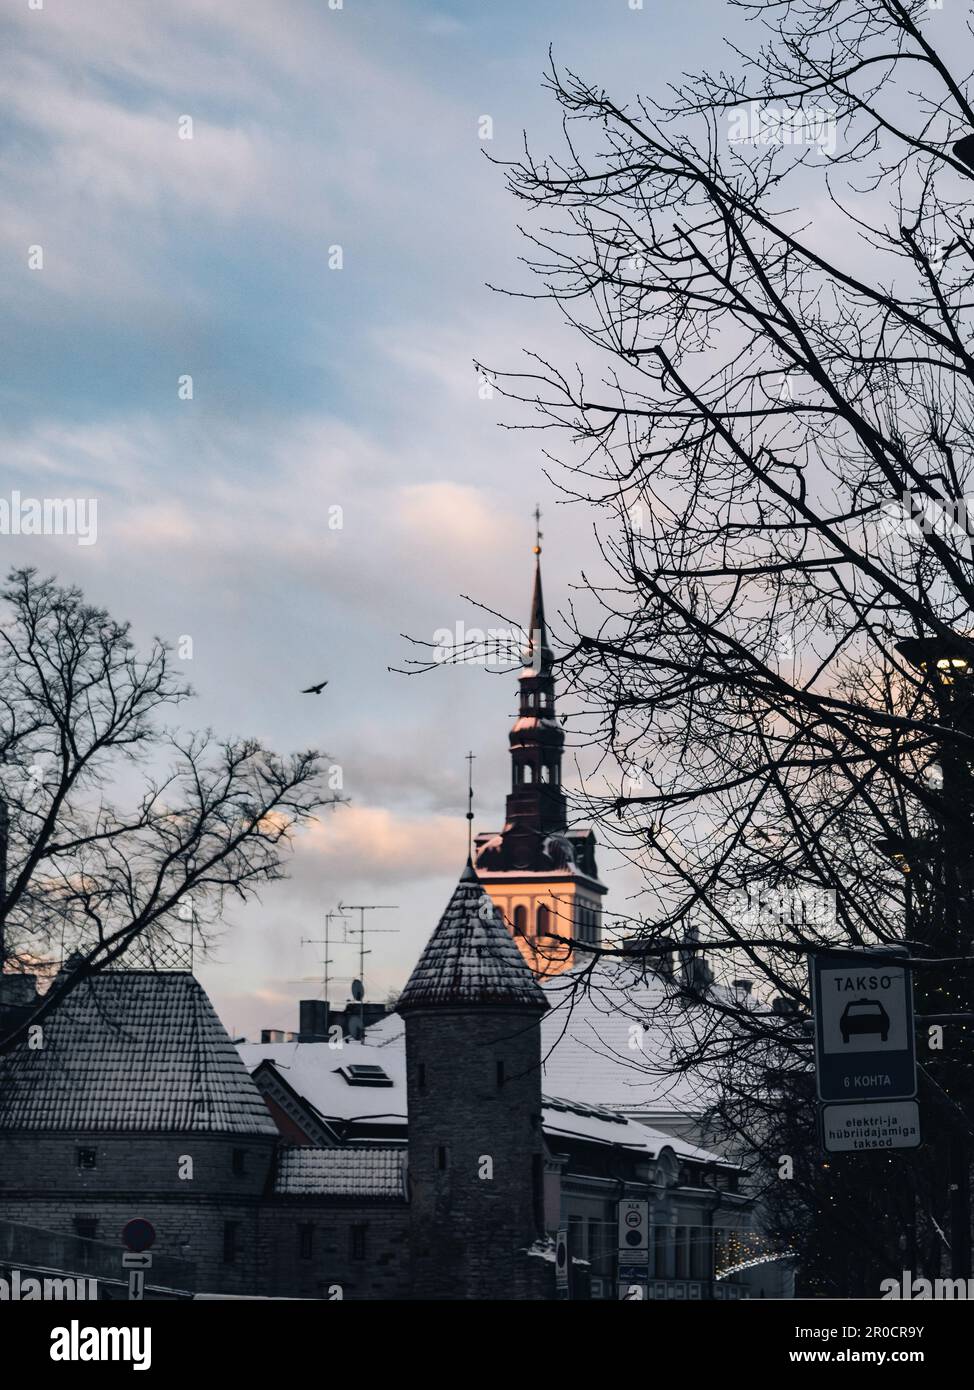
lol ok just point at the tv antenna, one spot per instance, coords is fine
(326, 976)
(362, 909)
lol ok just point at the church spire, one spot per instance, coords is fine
(536, 802)
(539, 654)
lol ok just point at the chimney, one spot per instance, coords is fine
(18, 997)
(313, 1025)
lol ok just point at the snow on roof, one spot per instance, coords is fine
(599, 1125)
(133, 1050)
(318, 1072)
(341, 1172)
(608, 1037)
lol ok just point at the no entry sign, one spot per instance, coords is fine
(864, 1045)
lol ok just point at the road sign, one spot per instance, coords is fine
(864, 1044)
(633, 1232)
(561, 1261)
(875, 1124)
(138, 1234)
(140, 1260)
(136, 1285)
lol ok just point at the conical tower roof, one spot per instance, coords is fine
(539, 654)
(471, 958)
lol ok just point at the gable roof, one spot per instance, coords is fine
(471, 958)
(133, 1050)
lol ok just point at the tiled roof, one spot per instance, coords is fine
(132, 1050)
(341, 1172)
(471, 957)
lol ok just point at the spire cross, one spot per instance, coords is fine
(537, 528)
(470, 761)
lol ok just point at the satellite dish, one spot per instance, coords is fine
(358, 991)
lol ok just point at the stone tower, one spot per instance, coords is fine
(473, 1072)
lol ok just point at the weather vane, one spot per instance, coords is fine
(537, 527)
(470, 760)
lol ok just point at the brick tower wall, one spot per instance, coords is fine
(475, 1151)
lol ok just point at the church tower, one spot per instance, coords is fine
(472, 1012)
(540, 873)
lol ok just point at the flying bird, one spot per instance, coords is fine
(315, 689)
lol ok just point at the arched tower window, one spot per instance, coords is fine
(528, 774)
(520, 921)
(543, 916)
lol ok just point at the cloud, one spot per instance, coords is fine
(372, 843)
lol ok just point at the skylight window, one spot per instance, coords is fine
(365, 1074)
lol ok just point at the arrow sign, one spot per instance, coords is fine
(131, 1260)
(136, 1286)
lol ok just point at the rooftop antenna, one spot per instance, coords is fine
(470, 761)
(362, 909)
(326, 942)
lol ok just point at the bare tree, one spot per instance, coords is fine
(80, 732)
(769, 276)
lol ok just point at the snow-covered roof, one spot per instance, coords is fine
(133, 1050)
(471, 957)
(608, 1038)
(599, 1125)
(341, 1172)
(319, 1073)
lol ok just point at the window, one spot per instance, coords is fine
(500, 1071)
(86, 1227)
(545, 773)
(537, 1190)
(230, 1234)
(442, 1158)
(421, 1076)
(364, 1074)
(682, 1252)
(528, 774)
(87, 1158)
(595, 1245)
(357, 1242)
(700, 1253)
(543, 928)
(306, 1235)
(239, 1162)
(520, 921)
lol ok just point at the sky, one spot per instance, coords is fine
(187, 172)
